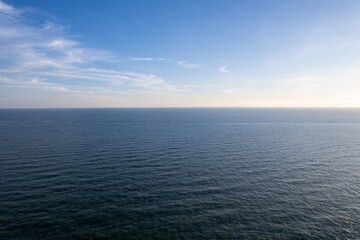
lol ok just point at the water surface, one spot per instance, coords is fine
(180, 174)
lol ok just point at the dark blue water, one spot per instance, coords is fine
(180, 174)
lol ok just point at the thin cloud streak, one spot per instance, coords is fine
(186, 64)
(180, 63)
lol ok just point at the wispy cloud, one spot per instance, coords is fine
(46, 56)
(147, 59)
(223, 69)
(186, 64)
(6, 9)
(180, 63)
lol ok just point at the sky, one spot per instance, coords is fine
(167, 53)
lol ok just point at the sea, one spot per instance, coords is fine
(180, 173)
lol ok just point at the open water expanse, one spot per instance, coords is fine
(180, 174)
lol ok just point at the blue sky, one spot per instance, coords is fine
(203, 53)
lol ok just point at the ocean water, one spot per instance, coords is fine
(180, 174)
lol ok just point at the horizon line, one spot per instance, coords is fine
(100, 108)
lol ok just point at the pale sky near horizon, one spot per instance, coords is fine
(167, 53)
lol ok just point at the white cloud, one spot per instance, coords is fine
(223, 69)
(186, 64)
(6, 9)
(180, 63)
(147, 59)
(46, 57)
(50, 26)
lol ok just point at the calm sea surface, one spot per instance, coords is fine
(180, 174)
